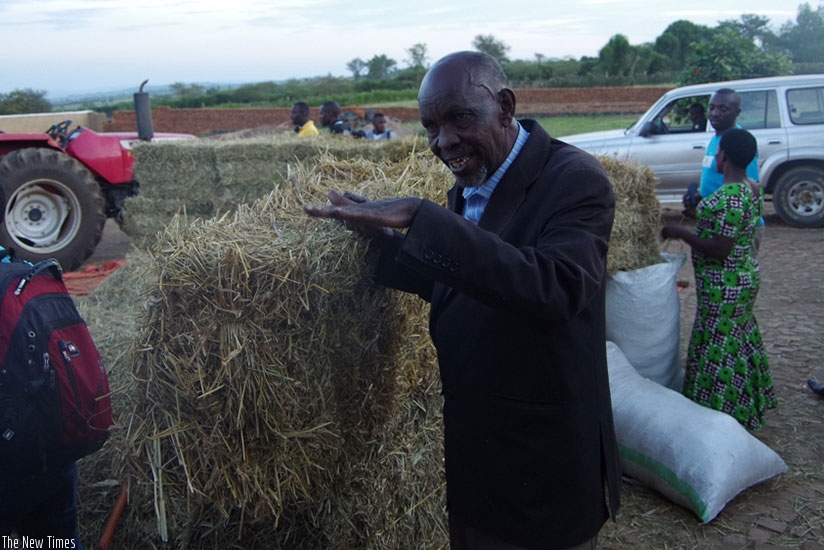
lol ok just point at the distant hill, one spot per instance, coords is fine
(72, 100)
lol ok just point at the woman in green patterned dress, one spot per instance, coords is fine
(727, 367)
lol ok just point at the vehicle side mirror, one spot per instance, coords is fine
(647, 129)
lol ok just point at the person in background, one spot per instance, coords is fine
(727, 368)
(300, 118)
(379, 130)
(515, 273)
(698, 118)
(330, 117)
(724, 108)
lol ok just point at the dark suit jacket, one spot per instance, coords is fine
(517, 318)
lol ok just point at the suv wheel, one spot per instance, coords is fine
(798, 197)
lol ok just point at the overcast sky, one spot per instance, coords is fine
(72, 46)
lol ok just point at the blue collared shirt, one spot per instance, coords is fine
(478, 197)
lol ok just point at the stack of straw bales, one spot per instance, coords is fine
(206, 178)
(268, 394)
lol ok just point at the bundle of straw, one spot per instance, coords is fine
(634, 242)
(277, 387)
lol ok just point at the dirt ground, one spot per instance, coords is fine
(786, 512)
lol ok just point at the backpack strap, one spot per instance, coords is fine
(51, 265)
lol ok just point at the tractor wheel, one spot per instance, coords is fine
(54, 207)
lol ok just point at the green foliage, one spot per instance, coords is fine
(380, 67)
(356, 67)
(530, 74)
(20, 102)
(187, 90)
(617, 57)
(418, 56)
(804, 41)
(489, 45)
(730, 56)
(678, 40)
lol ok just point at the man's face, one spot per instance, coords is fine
(379, 124)
(464, 124)
(723, 111)
(298, 116)
(325, 117)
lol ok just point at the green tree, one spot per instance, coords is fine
(617, 57)
(730, 56)
(418, 56)
(529, 74)
(804, 40)
(489, 45)
(678, 39)
(356, 67)
(751, 26)
(417, 62)
(20, 102)
(380, 67)
(648, 61)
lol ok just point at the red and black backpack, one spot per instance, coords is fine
(55, 405)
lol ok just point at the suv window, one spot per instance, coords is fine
(684, 115)
(759, 110)
(806, 105)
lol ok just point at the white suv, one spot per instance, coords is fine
(785, 114)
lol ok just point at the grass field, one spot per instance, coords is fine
(566, 125)
(578, 124)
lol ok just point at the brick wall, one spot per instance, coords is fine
(40, 122)
(531, 102)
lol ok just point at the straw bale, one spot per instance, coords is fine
(112, 313)
(174, 170)
(208, 177)
(278, 389)
(634, 242)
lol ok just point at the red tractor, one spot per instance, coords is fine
(63, 184)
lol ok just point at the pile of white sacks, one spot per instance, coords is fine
(696, 457)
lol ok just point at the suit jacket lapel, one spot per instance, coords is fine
(507, 197)
(512, 189)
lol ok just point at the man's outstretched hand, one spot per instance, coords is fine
(371, 219)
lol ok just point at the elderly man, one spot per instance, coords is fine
(515, 271)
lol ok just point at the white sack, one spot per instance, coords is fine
(696, 457)
(643, 313)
